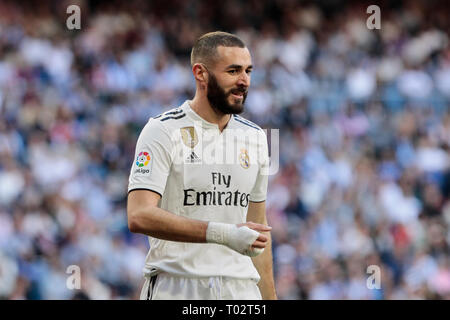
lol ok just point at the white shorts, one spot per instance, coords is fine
(167, 287)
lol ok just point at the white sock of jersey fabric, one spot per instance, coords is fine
(239, 239)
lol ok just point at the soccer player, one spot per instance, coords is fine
(198, 185)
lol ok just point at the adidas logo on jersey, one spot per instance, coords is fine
(192, 158)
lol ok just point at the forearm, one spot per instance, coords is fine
(264, 265)
(161, 224)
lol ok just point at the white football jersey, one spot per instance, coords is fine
(201, 173)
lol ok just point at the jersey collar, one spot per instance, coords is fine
(205, 124)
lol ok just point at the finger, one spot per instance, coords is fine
(259, 244)
(258, 226)
(262, 238)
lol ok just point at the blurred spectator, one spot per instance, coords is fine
(364, 123)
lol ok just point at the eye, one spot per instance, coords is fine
(249, 71)
(232, 72)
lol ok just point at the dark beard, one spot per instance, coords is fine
(217, 97)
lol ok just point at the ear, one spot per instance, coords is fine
(200, 73)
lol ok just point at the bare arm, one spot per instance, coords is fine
(145, 217)
(264, 262)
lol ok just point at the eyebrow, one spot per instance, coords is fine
(236, 66)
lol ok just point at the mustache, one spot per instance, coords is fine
(239, 90)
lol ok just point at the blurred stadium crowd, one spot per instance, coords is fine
(364, 124)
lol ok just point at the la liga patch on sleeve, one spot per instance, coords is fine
(143, 162)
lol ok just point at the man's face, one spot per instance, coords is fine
(228, 83)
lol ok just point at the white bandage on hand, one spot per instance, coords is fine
(239, 239)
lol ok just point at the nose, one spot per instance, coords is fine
(244, 79)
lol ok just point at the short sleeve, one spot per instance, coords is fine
(152, 159)
(259, 191)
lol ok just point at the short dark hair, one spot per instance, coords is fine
(205, 47)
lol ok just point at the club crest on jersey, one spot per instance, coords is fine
(244, 159)
(189, 137)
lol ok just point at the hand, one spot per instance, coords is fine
(261, 241)
(243, 238)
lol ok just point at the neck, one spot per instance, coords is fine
(204, 109)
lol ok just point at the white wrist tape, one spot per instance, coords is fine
(239, 239)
